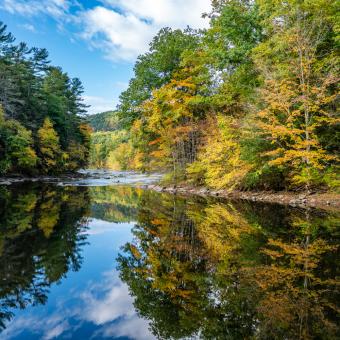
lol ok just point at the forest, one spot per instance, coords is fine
(250, 103)
(42, 125)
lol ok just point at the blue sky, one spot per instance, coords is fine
(98, 41)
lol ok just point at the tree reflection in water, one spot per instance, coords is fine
(222, 270)
(42, 232)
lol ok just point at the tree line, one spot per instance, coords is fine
(249, 103)
(42, 129)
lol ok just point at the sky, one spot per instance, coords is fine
(98, 41)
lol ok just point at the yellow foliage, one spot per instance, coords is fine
(48, 218)
(219, 160)
(297, 101)
(171, 119)
(49, 147)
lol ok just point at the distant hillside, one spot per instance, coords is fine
(105, 121)
(108, 142)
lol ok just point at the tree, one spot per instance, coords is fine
(16, 147)
(153, 70)
(49, 147)
(249, 103)
(237, 270)
(172, 116)
(299, 92)
(219, 163)
(42, 234)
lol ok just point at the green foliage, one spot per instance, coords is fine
(105, 121)
(16, 151)
(154, 69)
(110, 150)
(110, 147)
(30, 92)
(298, 96)
(221, 156)
(194, 266)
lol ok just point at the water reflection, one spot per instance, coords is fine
(58, 276)
(136, 264)
(233, 271)
(42, 232)
(116, 203)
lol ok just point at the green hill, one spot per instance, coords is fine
(105, 121)
(108, 142)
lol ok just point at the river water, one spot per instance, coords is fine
(102, 258)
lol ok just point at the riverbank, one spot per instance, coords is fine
(321, 200)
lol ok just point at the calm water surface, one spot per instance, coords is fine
(119, 262)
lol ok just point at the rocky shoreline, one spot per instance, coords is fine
(327, 201)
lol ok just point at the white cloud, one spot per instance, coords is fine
(131, 327)
(106, 304)
(50, 326)
(55, 8)
(98, 104)
(99, 227)
(29, 27)
(123, 29)
(122, 37)
(174, 13)
(113, 310)
(114, 304)
(56, 330)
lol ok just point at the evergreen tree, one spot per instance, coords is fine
(30, 91)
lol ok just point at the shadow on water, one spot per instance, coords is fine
(196, 267)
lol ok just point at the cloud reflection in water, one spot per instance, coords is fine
(102, 309)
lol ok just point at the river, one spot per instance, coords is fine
(103, 258)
